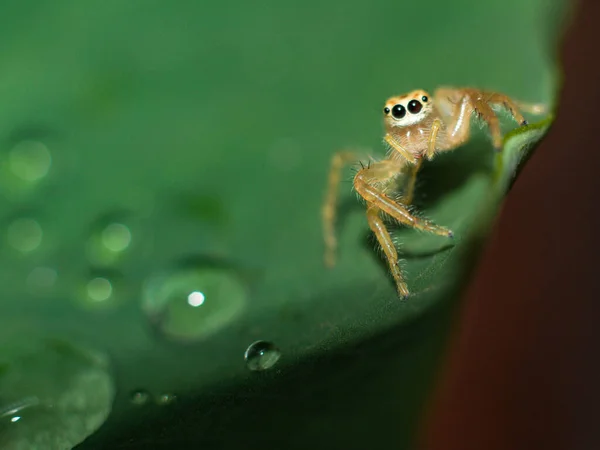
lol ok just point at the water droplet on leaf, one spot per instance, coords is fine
(116, 237)
(194, 302)
(140, 397)
(108, 242)
(99, 289)
(53, 394)
(166, 399)
(261, 355)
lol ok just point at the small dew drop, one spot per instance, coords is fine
(166, 399)
(140, 397)
(25, 235)
(99, 289)
(30, 160)
(108, 242)
(261, 355)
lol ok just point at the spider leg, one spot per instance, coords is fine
(485, 112)
(457, 104)
(408, 156)
(414, 169)
(364, 184)
(367, 184)
(328, 210)
(515, 107)
(532, 108)
(456, 109)
(387, 244)
(409, 191)
(435, 128)
(510, 105)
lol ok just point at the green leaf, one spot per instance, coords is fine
(177, 220)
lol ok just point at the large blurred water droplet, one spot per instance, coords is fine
(116, 237)
(52, 394)
(99, 289)
(24, 234)
(108, 241)
(29, 160)
(261, 355)
(192, 303)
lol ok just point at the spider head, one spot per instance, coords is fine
(408, 109)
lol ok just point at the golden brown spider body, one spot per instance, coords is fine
(417, 126)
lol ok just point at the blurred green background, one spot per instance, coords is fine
(163, 166)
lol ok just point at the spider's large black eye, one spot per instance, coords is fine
(414, 106)
(398, 111)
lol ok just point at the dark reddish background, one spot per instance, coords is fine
(524, 368)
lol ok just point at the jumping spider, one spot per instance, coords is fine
(417, 126)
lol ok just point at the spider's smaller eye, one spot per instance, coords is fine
(414, 106)
(386, 110)
(424, 99)
(398, 111)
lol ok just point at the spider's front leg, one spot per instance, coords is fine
(413, 164)
(387, 244)
(457, 106)
(367, 184)
(409, 192)
(485, 112)
(413, 161)
(393, 143)
(328, 211)
(435, 128)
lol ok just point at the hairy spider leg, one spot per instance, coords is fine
(364, 184)
(435, 128)
(485, 112)
(413, 170)
(531, 108)
(338, 162)
(456, 110)
(392, 142)
(458, 104)
(389, 249)
(509, 104)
